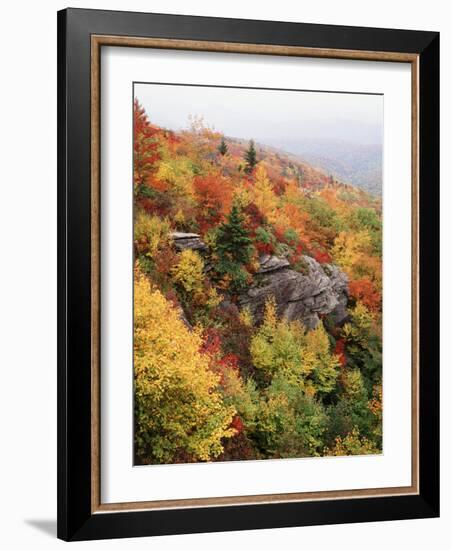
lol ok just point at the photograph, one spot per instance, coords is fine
(257, 269)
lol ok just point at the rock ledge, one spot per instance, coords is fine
(322, 289)
(183, 241)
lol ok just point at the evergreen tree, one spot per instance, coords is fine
(250, 157)
(222, 148)
(234, 249)
(232, 239)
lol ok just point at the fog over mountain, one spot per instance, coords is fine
(341, 133)
(355, 163)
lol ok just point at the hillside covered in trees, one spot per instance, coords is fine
(359, 164)
(257, 302)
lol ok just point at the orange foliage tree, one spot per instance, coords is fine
(145, 145)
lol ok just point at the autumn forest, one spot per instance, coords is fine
(257, 302)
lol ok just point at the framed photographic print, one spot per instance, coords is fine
(248, 274)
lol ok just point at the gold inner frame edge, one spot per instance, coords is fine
(97, 41)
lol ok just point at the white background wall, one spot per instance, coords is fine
(28, 272)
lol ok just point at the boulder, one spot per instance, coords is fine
(321, 289)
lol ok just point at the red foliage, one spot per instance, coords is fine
(254, 217)
(295, 255)
(229, 361)
(340, 351)
(237, 424)
(279, 234)
(214, 197)
(235, 337)
(264, 248)
(212, 346)
(145, 145)
(172, 138)
(161, 205)
(238, 447)
(279, 185)
(212, 342)
(154, 183)
(364, 291)
(147, 204)
(322, 257)
(165, 260)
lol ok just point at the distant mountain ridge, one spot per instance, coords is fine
(357, 164)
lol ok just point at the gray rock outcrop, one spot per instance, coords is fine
(183, 241)
(321, 289)
(272, 263)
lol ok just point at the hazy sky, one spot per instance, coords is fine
(268, 116)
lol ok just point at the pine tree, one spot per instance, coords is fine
(234, 249)
(232, 239)
(222, 148)
(250, 157)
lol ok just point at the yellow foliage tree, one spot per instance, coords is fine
(179, 412)
(349, 248)
(177, 174)
(276, 345)
(352, 444)
(246, 317)
(263, 194)
(324, 364)
(151, 233)
(357, 331)
(279, 346)
(189, 271)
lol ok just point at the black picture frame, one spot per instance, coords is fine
(75, 518)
